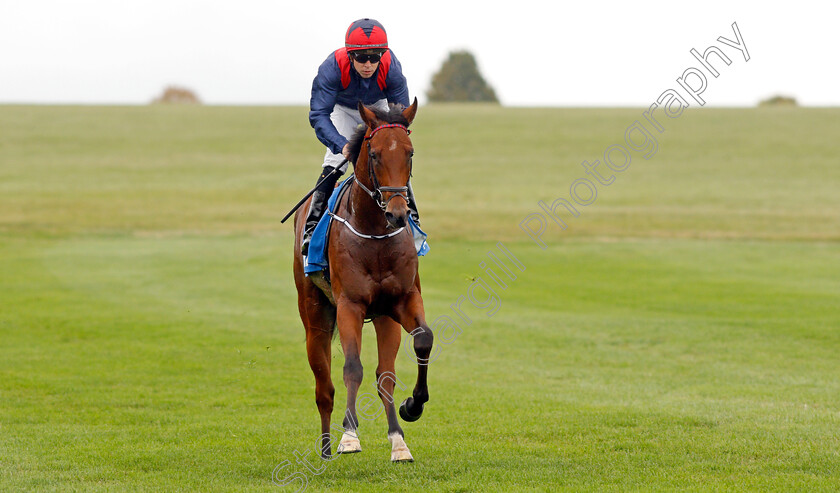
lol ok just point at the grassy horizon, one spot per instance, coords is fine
(680, 334)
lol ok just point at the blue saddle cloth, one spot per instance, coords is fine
(318, 258)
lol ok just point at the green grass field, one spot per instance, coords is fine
(681, 334)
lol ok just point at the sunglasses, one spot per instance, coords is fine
(372, 58)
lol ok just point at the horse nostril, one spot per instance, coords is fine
(395, 220)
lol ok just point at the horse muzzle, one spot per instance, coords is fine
(396, 220)
(396, 213)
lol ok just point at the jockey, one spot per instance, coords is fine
(364, 70)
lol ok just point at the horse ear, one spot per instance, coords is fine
(411, 111)
(368, 116)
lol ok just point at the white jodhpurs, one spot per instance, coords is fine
(346, 120)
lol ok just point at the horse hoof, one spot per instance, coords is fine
(399, 450)
(407, 416)
(349, 444)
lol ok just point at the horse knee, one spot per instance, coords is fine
(423, 340)
(324, 400)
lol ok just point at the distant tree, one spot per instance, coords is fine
(177, 95)
(459, 80)
(778, 101)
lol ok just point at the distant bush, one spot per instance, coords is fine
(460, 80)
(177, 95)
(778, 101)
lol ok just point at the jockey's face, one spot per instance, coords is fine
(367, 68)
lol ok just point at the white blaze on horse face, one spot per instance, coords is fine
(393, 145)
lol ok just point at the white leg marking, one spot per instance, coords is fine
(399, 450)
(349, 443)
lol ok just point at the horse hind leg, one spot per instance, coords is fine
(388, 334)
(319, 320)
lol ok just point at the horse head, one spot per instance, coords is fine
(384, 163)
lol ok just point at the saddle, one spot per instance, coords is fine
(317, 259)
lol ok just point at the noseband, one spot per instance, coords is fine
(376, 193)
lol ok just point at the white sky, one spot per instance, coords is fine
(533, 53)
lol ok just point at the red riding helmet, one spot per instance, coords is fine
(366, 34)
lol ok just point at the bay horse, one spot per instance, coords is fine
(373, 275)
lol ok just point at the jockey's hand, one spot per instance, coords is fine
(346, 151)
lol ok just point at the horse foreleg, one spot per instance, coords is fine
(388, 344)
(411, 315)
(350, 320)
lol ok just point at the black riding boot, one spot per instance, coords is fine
(316, 210)
(317, 206)
(412, 206)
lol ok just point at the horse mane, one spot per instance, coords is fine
(393, 115)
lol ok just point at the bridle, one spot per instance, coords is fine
(376, 193)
